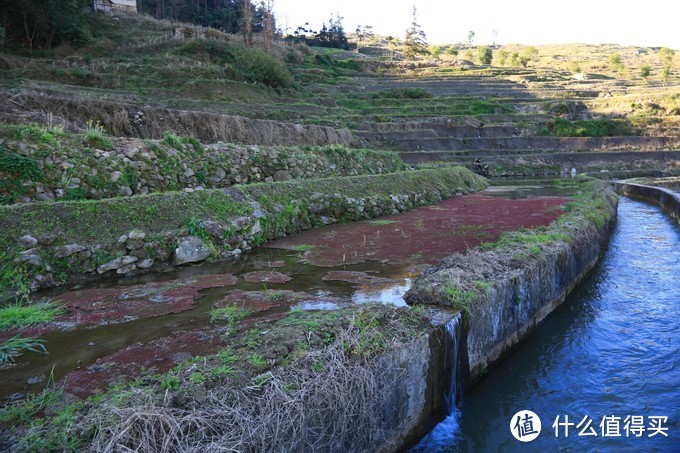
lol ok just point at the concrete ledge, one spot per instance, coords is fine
(666, 198)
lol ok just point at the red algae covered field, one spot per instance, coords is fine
(425, 235)
(123, 329)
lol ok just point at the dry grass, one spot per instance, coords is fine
(326, 401)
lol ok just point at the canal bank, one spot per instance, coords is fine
(414, 386)
(608, 358)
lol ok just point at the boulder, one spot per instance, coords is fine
(116, 264)
(68, 250)
(191, 249)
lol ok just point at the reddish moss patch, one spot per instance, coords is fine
(425, 235)
(125, 303)
(266, 277)
(159, 355)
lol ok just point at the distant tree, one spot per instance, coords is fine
(415, 41)
(574, 67)
(617, 63)
(645, 72)
(45, 24)
(529, 53)
(484, 54)
(502, 57)
(515, 60)
(470, 37)
(392, 44)
(666, 56)
(364, 33)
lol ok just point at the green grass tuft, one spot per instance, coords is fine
(17, 315)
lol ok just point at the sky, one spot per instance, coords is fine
(651, 23)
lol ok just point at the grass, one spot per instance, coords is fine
(460, 298)
(24, 411)
(16, 345)
(18, 315)
(230, 315)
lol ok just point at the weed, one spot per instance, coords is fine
(24, 411)
(257, 361)
(318, 365)
(19, 315)
(197, 378)
(95, 135)
(459, 298)
(13, 347)
(260, 380)
(230, 315)
(171, 382)
(275, 295)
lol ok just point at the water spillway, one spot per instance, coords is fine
(609, 358)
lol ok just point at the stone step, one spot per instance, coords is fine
(667, 157)
(538, 143)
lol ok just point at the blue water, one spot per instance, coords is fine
(613, 349)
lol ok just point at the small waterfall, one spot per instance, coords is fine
(445, 433)
(452, 360)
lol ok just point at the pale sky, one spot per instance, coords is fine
(649, 23)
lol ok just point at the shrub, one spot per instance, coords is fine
(587, 128)
(257, 66)
(484, 54)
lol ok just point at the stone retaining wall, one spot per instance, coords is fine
(48, 244)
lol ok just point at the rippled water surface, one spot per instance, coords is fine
(613, 349)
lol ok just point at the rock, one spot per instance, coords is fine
(29, 257)
(191, 249)
(117, 264)
(145, 264)
(214, 229)
(256, 229)
(68, 250)
(240, 223)
(115, 176)
(134, 244)
(125, 191)
(27, 241)
(136, 235)
(46, 239)
(141, 253)
(126, 269)
(220, 173)
(282, 175)
(42, 281)
(189, 173)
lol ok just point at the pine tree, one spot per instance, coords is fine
(415, 42)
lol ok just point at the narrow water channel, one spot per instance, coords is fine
(612, 350)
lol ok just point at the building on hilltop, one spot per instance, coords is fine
(115, 6)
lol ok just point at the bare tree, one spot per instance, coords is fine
(269, 25)
(247, 25)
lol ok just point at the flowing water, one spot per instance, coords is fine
(612, 350)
